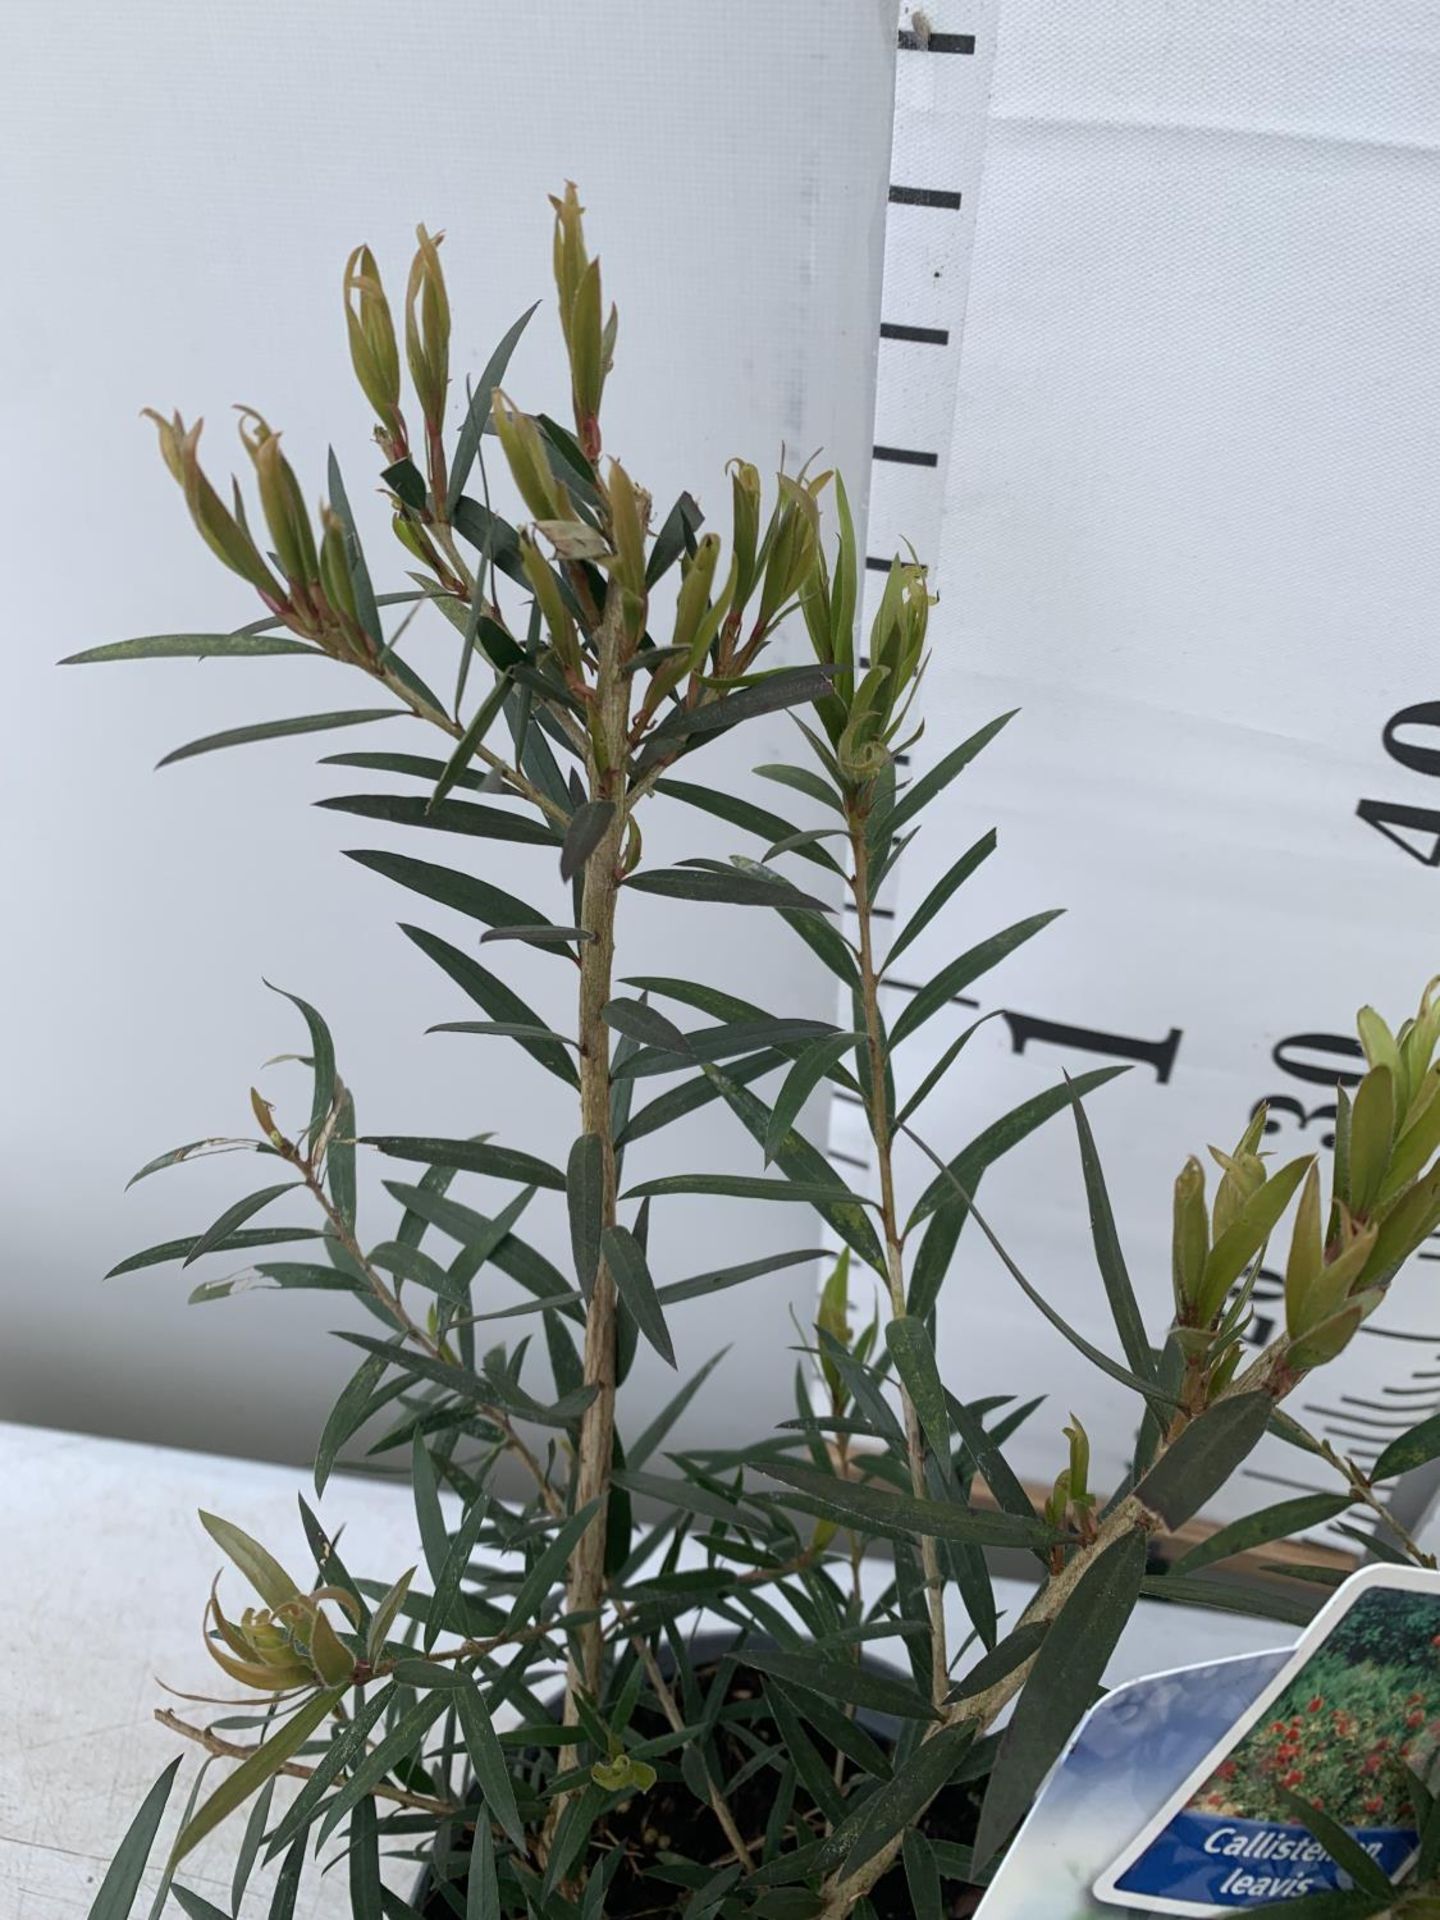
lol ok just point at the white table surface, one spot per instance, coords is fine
(103, 1577)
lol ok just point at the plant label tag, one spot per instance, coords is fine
(1355, 1705)
(1124, 1761)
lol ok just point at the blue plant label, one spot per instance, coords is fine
(1345, 1726)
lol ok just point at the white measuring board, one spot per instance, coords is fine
(1180, 487)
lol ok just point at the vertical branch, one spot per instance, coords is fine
(881, 1133)
(606, 764)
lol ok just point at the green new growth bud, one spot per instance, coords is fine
(556, 614)
(697, 578)
(1243, 1175)
(1078, 1475)
(1372, 1132)
(1417, 1143)
(223, 532)
(1376, 1038)
(629, 524)
(745, 496)
(790, 544)
(335, 578)
(1190, 1241)
(1331, 1337)
(427, 329)
(589, 340)
(1307, 1257)
(524, 452)
(409, 535)
(1057, 1501)
(833, 1319)
(373, 351)
(281, 501)
(1245, 1237)
(1412, 1219)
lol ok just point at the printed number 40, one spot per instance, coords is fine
(1390, 817)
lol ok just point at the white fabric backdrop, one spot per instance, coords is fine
(1185, 519)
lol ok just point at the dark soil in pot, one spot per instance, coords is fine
(668, 1819)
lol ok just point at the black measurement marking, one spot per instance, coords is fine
(851, 1099)
(1280, 1480)
(874, 564)
(913, 986)
(910, 41)
(906, 456)
(923, 336)
(1379, 1406)
(1361, 1419)
(1391, 1333)
(925, 197)
(1321, 1073)
(1407, 1392)
(850, 1159)
(1160, 1054)
(878, 913)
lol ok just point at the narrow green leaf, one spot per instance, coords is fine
(806, 1166)
(456, 1565)
(482, 1888)
(878, 1509)
(253, 1772)
(278, 730)
(492, 906)
(545, 1574)
(737, 812)
(347, 1415)
(249, 1852)
(801, 1081)
(788, 687)
(739, 887)
(490, 993)
(484, 1239)
(220, 1231)
(287, 1882)
(626, 1261)
(841, 1680)
(365, 1888)
(401, 1742)
(588, 826)
(1412, 1449)
(477, 413)
(470, 1156)
(914, 1355)
(1204, 1457)
(645, 1023)
(585, 1198)
(676, 536)
(894, 1806)
(348, 1743)
(721, 1277)
(322, 1052)
(195, 1906)
(922, 1877)
(184, 1250)
(444, 816)
(942, 773)
(941, 1067)
(959, 973)
(260, 1568)
(188, 646)
(690, 1095)
(1341, 1845)
(646, 1442)
(118, 1889)
(1013, 1651)
(487, 1762)
(803, 780)
(471, 740)
(1077, 1340)
(1063, 1683)
(1286, 1517)
(949, 882)
(740, 1186)
(1124, 1307)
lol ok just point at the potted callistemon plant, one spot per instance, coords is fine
(647, 1685)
